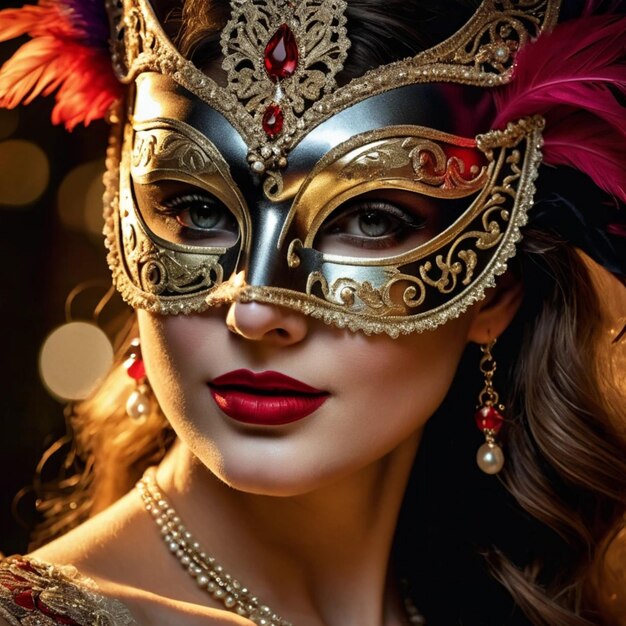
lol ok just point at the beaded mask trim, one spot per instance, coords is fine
(415, 290)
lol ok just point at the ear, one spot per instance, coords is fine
(497, 310)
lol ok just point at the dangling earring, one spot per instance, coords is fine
(489, 420)
(139, 403)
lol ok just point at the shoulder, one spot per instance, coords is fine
(38, 594)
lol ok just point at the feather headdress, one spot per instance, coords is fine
(68, 53)
(575, 76)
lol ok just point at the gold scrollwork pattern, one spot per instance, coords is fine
(426, 159)
(162, 278)
(362, 297)
(320, 35)
(492, 47)
(451, 271)
(169, 150)
(163, 272)
(373, 308)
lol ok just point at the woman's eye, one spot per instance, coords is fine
(369, 226)
(203, 216)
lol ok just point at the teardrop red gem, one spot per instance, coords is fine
(135, 368)
(273, 120)
(489, 418)
(281, 53)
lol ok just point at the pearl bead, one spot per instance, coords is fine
(138, 404)
(501, 53)
(490, 458)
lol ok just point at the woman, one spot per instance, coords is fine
(312, 253)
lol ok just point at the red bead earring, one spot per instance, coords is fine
(489, 420)
(139, 403)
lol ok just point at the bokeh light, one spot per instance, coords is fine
(80, 198)
(24, 172)
(74, 359)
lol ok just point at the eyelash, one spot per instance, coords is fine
(177, 206)
(177, 203)
(407, 219)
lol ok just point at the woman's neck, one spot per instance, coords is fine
(320, 557)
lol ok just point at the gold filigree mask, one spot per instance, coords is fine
(372, 215)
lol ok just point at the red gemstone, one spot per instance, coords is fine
(471, 158)
(273, 120)
(25, 599)
(489, 418)
(26, 566)
(135, 368)
(281, 53)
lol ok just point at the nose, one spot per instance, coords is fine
(268, 323)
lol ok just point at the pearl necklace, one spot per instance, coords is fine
(208, 573)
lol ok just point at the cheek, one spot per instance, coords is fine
(176, 351)
(398, 384)
(170, 364)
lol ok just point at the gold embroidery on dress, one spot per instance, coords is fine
(38, 594)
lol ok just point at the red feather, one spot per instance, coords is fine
(46, 18)
(55, 59)
(575, 77)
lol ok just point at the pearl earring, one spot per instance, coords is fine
(139, 403)
(489, 420)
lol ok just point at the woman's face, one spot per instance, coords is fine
(379, 392)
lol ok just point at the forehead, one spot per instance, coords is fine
(447, 108)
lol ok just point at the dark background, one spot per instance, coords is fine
(42, 258)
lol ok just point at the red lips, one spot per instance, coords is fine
(267, 398)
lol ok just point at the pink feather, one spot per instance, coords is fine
(580, 141)
(575, 77)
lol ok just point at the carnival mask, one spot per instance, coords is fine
(361, 205)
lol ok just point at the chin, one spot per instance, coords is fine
(271, 470)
